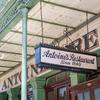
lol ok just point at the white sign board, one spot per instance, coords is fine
(67, 59)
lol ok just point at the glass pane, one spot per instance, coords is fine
(97, 94)
(80, 96)
(62, 93)
(51, 95)
(87, 95)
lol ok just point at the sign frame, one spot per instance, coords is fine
(42, 64)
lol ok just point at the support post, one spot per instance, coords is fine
(24, 54)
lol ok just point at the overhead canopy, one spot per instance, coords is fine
(57, 16)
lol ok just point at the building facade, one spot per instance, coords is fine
(46, 83)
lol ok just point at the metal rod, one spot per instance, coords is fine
(52, 23)
(10, 60)
(5, 66)
(13, 53)
(42, 25)
(18, 44)
(24, 54)
(87, 22)
(34, 35)
(2, 71)
(72, 8)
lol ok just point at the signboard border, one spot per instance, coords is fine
(60, 67)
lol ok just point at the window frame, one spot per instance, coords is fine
(55, 87)
(90, 86)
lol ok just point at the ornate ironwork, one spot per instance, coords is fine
(11, 12)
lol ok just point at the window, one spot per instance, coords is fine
(87, 95)
(57, 93)
(62, 93)
(80, 96)
(57, 87)
(83, 96)
(89, 90)
(97, 94)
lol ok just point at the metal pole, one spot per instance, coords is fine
(24, 54)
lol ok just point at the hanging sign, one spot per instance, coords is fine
(60, 58)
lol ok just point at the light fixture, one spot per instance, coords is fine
(89, 84)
